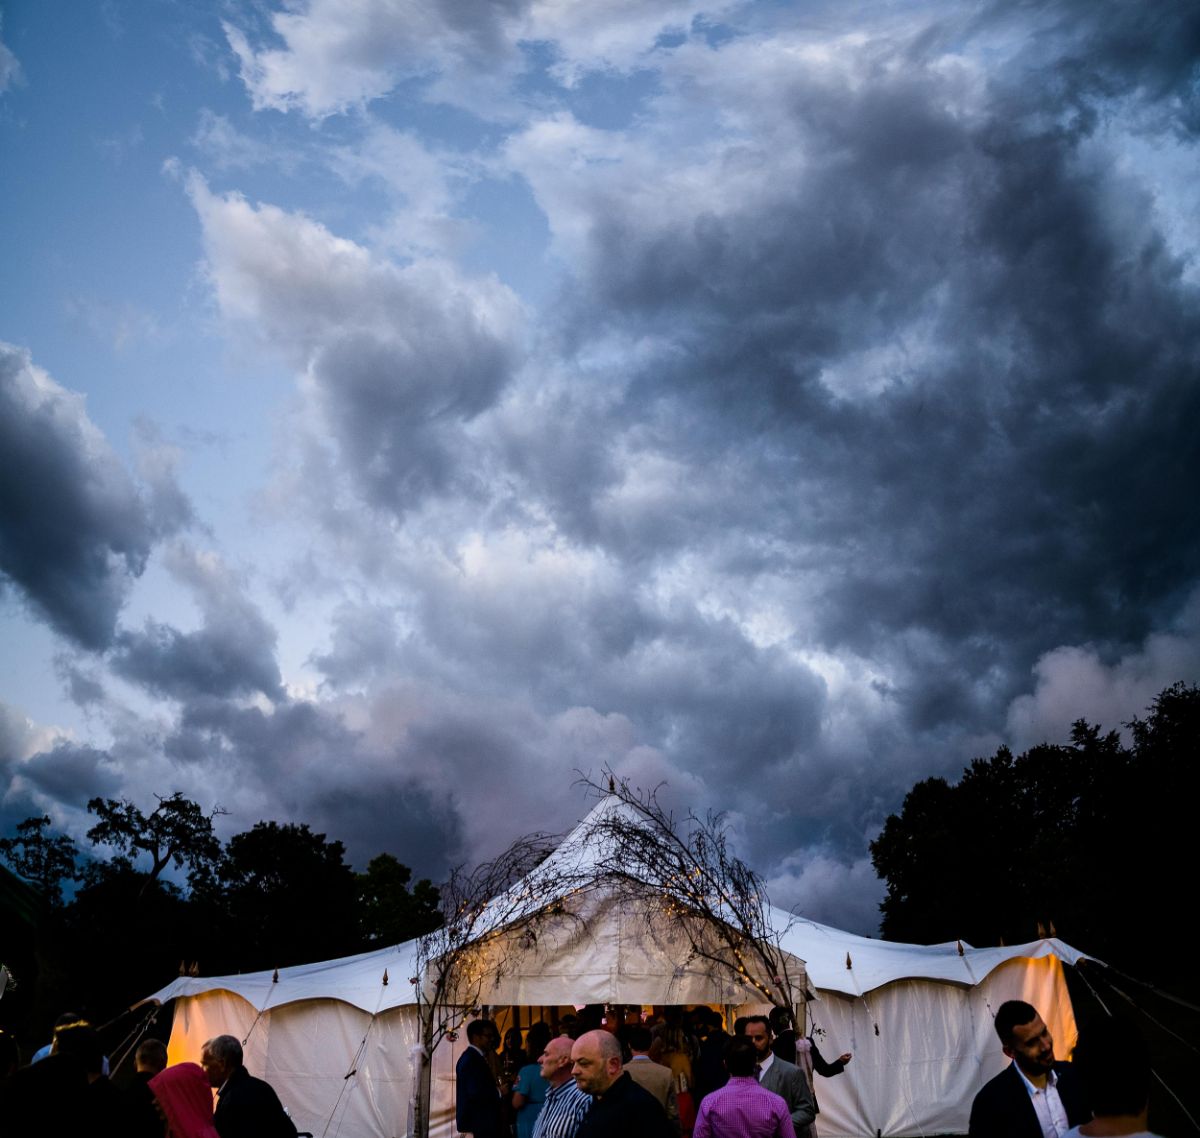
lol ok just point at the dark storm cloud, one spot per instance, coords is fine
(364, 645)
(398, 407)
(229, 661)
(74, 532)
(233, 654)
(71, 773)
(82, 686)
(1011, 479)
(396, 816)
(302, 762)
(1149, 53)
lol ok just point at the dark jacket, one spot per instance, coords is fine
(143, 1119)
(249, 1108)
(625, 1110)
(1003, 1108)
(476, 1096)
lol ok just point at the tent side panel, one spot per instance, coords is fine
(306, 1051)
(935, 1048)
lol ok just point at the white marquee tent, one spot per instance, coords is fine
(337, 1039)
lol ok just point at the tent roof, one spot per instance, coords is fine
(836, 961)
(356, 980)
(849, 964)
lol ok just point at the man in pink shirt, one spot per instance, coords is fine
(741, 1108)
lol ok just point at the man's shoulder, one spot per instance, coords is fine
(628, 1088)
(1001, 1085)
(783, 1072)
(997, 1102)
(646, 1070)
(243, 1085)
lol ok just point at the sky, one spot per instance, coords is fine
(406, 406)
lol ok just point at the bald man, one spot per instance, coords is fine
(620, 1108)
(565, 1104)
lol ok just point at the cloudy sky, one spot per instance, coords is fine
(405, 404)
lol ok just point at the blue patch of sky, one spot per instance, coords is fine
(513, 236)
(408, 107)
(603, 100)
(610, 100)
(102, 247)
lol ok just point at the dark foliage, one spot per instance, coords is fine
(275, 895)
(48, 862)
(1087, 840)
(389, 912)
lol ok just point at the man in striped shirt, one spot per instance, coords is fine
(565, 1103)
(741, 1108)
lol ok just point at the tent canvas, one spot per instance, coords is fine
(338, 1039)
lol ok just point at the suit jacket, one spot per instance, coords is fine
(659, 1081)
(788, 1080)
(1003, 1108)
(249, 1108)
(476, 1096)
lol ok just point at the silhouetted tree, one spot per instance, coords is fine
(289, 895)
(1084, 840)
(175, 831)
(47, 862)
(389, 912)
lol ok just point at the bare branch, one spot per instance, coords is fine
(709, 895)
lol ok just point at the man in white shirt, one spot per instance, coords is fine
(1035, 1096)
(780, 1076)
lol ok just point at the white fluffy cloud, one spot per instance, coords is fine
(329, 56)
(1078, 682)
(397, 359)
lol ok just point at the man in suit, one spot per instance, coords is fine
(476, 1094)
(780, 1076)
(1035, 1096)
(656, 1078)
(246, 1107)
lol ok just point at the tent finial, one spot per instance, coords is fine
(385, 979)
(849, 963)
(612, 785)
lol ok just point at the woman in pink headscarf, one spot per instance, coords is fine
(185, 1097)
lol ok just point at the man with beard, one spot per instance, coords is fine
(1034, 1097)
(780, 1076)
(620, 1108)
(476, 1094)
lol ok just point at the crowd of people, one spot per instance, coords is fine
(585, 1077)
(684, 1076)
(66, 1090)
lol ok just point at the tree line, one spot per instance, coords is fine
(112, 923)
(1090, 840)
